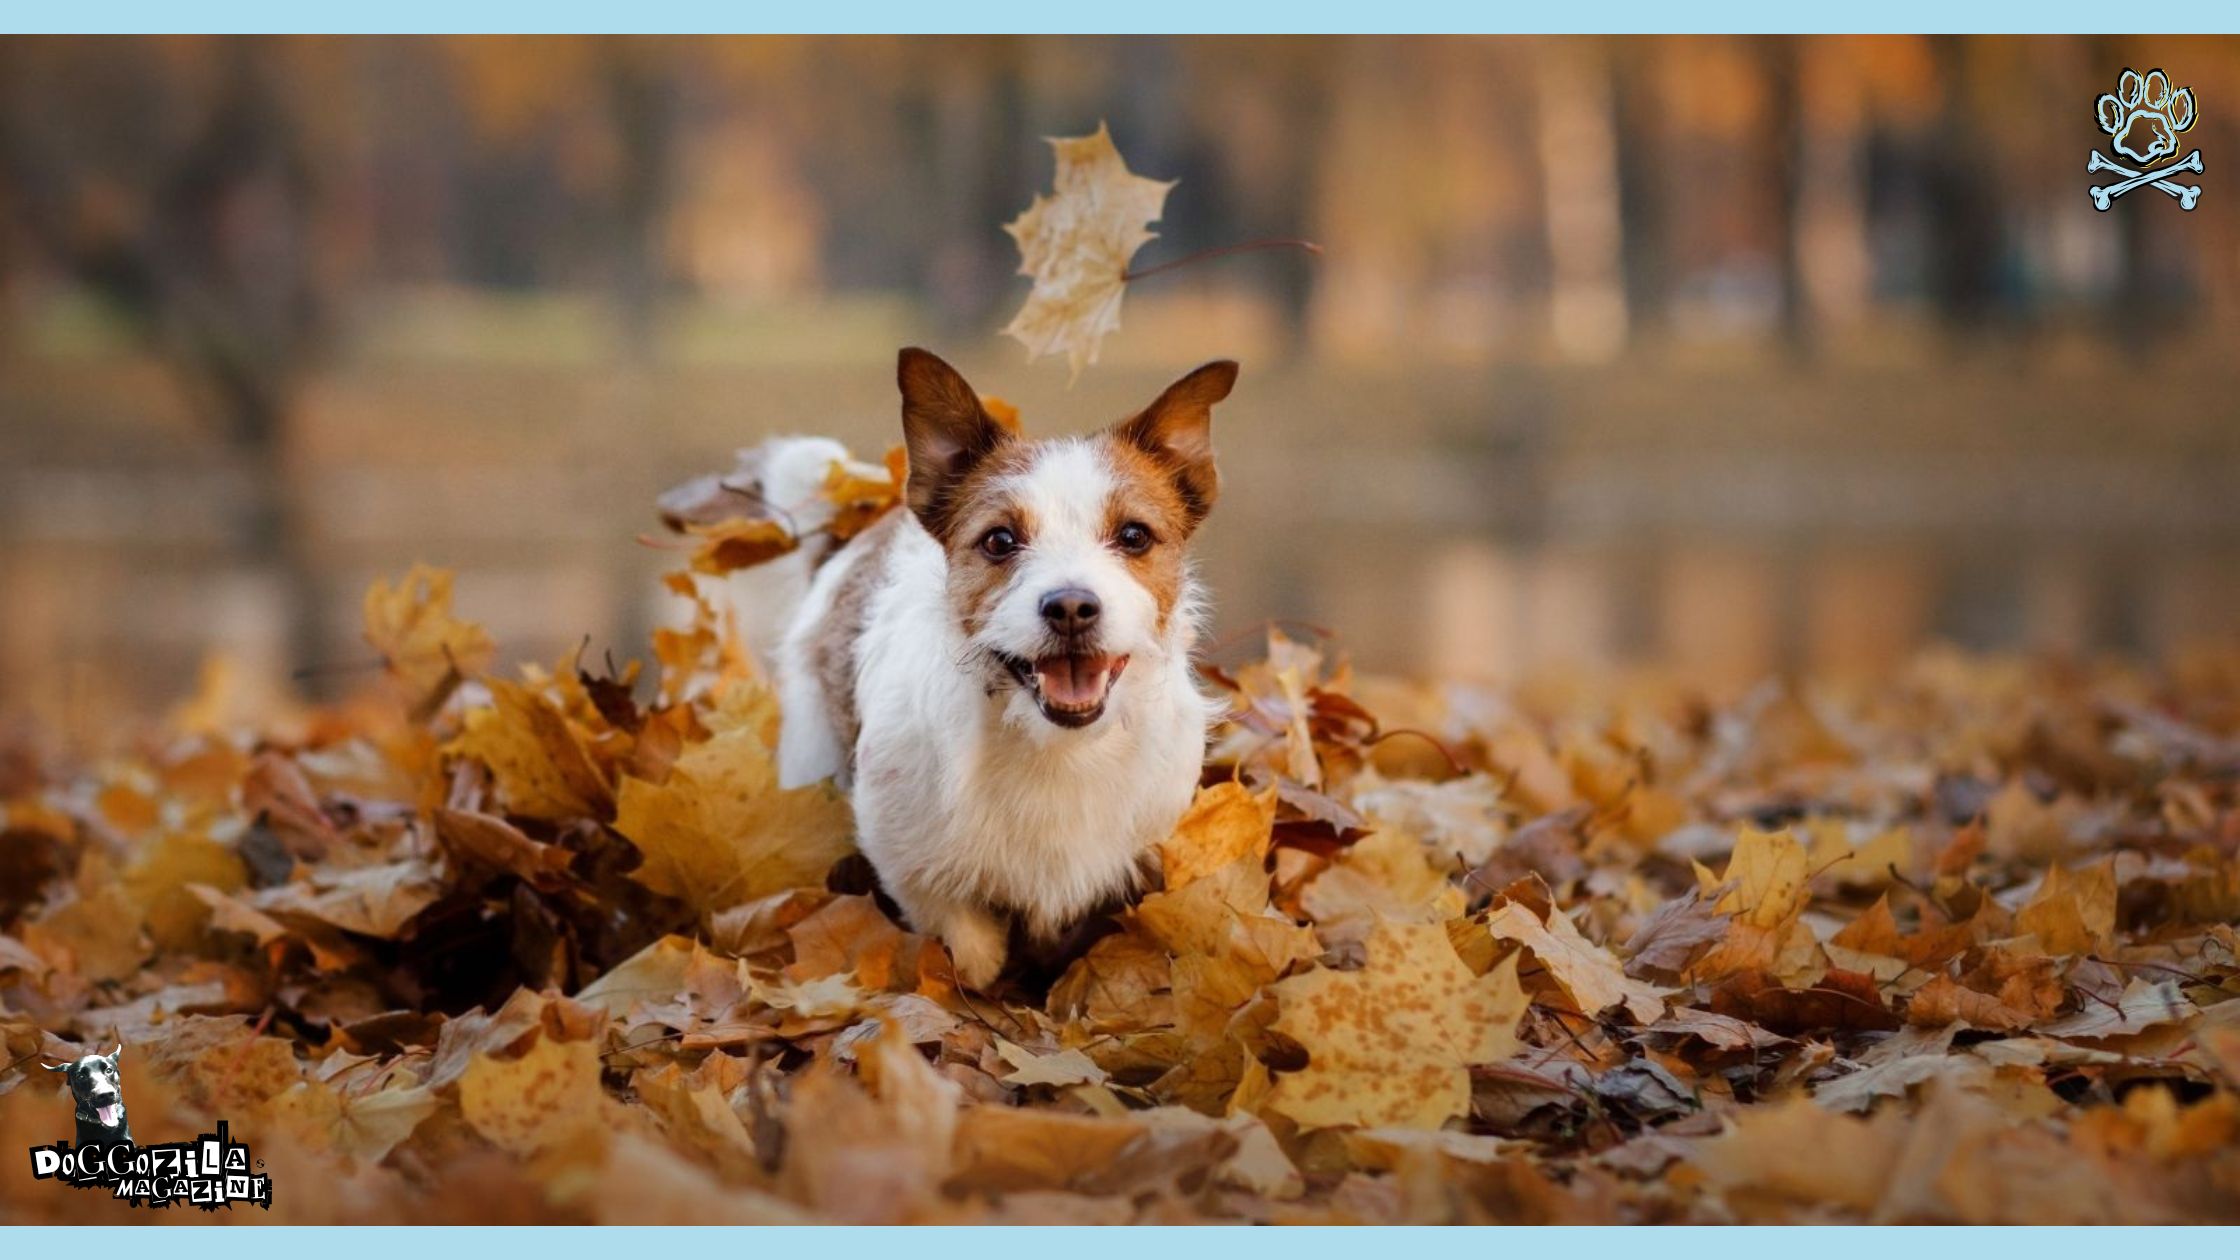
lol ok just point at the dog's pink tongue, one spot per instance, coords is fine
(108, 1113)
(1074, 682)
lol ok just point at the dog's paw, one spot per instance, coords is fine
(2145, 114)
(977, 946)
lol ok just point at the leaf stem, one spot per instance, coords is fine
(1223, 251)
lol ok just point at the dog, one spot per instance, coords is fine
(99, 1093)
(1001, 675)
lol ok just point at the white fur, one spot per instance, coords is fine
(789, 474)
(972, 804)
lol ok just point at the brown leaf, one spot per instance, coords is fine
(1841, 999)
(500, 846)
(2074, 911)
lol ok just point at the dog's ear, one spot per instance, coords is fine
(946, 431)
(58, 1067)
(1177, 431)
(114, 1053)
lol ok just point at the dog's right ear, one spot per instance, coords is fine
(57, 1067)
(946, 431)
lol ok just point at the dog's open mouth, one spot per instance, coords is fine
(1069, 687)
(107, 1113)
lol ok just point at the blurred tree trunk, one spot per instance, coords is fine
(1963, 205)
(1783, 143)
(965, 129)
(208, 247)
(635, 76)
(1644, 205)
(1288, 213)
(1579, 182)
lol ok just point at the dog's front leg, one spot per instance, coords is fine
(977, 940)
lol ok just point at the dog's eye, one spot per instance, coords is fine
(998, 543)
(1134, 538)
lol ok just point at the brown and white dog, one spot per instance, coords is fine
(1001, 675)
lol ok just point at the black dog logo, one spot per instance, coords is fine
(99, 1092)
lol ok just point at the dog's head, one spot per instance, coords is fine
(95, 1085)
(1067, 557)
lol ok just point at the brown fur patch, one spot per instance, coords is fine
(832, 649)
(1146, 491)
(977, 505)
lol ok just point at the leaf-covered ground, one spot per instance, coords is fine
(553, 947)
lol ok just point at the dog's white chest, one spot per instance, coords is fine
(987, 803)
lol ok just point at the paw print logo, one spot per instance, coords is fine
(2144, 117)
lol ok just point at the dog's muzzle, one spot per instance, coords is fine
(1069, 687)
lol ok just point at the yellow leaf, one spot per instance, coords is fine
(535, 1102)
(1224, 824)
(426, 649)
(1586, 971)
(1391, 1044)
(719, 831)
(2074, 911)
(1225, 915)
(536, 756)
(162, 875)
(1058, 1068)
(1834, 858)
(1000, 411)
(1768, 873)
(1076, 244)
(857, 500)
(1387, 877)
(364, 1127)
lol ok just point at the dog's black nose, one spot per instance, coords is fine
(1071, 611)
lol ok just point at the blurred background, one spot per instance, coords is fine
(1738, 355)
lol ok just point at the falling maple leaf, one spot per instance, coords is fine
(1076, 243)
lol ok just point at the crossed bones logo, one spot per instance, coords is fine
(2144, 117)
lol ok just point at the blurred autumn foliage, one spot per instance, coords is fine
(1738, 354)
(552, 946)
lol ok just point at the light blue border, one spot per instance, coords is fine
(1059, 17)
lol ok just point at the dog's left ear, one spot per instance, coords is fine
(1177, 430)
(114, 1053)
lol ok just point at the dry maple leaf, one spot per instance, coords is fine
(1224, 824)
(719, 831)
(739, 543)
(536, 755)
(424, 647)
(535, 1102)
(1767, 871)
(2074, 911)
(1586, 971)
(1391, 1044)
(1076, 244)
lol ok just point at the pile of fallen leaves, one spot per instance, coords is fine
(555, 947)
